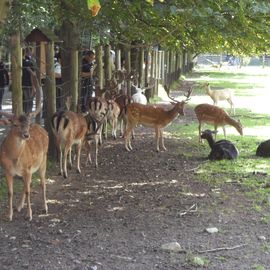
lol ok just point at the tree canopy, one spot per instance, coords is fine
(241, 27)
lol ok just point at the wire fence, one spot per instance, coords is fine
(215, 59)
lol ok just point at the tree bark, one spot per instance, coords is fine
(99, 69)
(141, 68)
(74, 79)
(50, 89)
(128, 68)
(16, 73)
(107, 62)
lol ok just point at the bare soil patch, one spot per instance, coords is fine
(119, 215)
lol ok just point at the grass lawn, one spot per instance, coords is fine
(251, 86)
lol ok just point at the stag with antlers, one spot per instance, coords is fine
(152, 116)
(23, 152)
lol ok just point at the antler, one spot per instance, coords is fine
(188, 94)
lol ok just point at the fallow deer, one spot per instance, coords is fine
(216, 95)
(69, 128)
(139, 97)
(222, 149)
(217, 117)
(263, 150)
(152, 116)
(23, 152)
(112, 117)
(123, 101)
(98, 109)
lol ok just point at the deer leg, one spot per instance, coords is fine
(70, 158)
(61, 160)
(200, 131)
(9, 179)
(215, 132)
(79, 148)
(114, 128)
(127, 138)
(162, 140)
(27, 190)
(232, 106)
(88, 152)
(66, 151)
(106, 129)
(42, 173)
(224, 131)
(96, 152)
(157, 138)
(100, 135)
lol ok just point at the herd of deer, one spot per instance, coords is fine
(24, 149)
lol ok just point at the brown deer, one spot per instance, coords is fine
(152, 116)
(23, 152)
(217, 117)
(69, 128)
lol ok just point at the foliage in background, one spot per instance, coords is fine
(240, 27)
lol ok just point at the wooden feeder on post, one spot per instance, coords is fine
(44, 40)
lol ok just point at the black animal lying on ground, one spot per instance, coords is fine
(222, 149)
(263, 149)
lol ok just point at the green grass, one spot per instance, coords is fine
(251, 173)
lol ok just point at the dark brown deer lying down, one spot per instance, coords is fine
(23, 152)
(69, 128)
(222, 149)
(152, 116)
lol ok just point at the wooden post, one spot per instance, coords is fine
(50, 89)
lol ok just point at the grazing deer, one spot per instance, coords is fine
(216, 95)
(216, 116)
(222, 149)
(69, 128)
(23, 152)
(152, 116)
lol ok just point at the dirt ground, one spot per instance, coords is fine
(117, 217)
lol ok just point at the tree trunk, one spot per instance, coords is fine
(4, 9)
(107, 63)
(69, 34)
(38, 96)
(128, 68)
(16, 73)
(141, 67)
(99, 69)
(50, 89)
(74, 78)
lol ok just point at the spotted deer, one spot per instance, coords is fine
(69, 128)
(217, 117)
(152, 116)
(23, 152)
